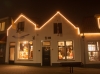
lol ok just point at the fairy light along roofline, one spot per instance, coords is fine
(64, 18)
(89, 34)
(54, 16)
(21, 15)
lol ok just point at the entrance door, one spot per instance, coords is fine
(46, 56)
(11, 55)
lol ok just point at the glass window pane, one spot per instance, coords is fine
(68, 43)
(91, 47)
(30, 50)
(93, 56)
(3, 26)
(61, 43)
(23, 50)
(61, 53)
(46, 43)
(69, 47)
(70, 53)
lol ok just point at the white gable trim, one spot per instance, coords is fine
(58, 13)
(21, 15)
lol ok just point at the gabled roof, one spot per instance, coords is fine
(22, 15)
(89, 25)
(57, 13)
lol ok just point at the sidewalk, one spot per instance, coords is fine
(18, 69)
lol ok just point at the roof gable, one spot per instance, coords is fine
(58, 13)
(20, 16)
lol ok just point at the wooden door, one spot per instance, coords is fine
(46, 56)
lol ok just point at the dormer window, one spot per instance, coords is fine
(57, 28)
(2, 26)
(20, 26)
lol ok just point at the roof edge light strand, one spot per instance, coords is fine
(21, 15)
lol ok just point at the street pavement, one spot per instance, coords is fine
(19, 69)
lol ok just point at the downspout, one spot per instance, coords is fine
(83, 40)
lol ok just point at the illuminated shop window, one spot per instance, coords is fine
(93, 51)
(2, 26)
(65, 50)
(25, 50)
(69, 45)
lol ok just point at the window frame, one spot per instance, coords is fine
(65, 50)
(57, 28)
(18, 51)
(95, 52)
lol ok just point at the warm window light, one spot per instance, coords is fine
(98, 22)
(88, 34)
(25, 42)
(68, 43)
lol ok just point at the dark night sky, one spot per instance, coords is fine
(41, 10)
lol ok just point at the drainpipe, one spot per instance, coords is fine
(83, 40)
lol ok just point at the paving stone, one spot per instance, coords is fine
(18, 69)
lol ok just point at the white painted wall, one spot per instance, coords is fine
(29, 29)
(69, 33)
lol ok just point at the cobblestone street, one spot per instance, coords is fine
(18, 69)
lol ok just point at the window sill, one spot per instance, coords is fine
(94, 62)
(67, 60)
(24, 59)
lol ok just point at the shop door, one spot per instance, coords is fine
(11, 55)
(46, 56)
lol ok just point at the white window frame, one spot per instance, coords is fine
(93, 52)
(18, 50)
(64, 46)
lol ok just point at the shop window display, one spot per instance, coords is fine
(93, 51)
(61, 53)
(25, 50)
(65, 50)
(69, 48)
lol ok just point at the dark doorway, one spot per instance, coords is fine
(11, 55)
(45, 56)
(2, 53)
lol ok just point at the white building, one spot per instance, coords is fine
(56, 41)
